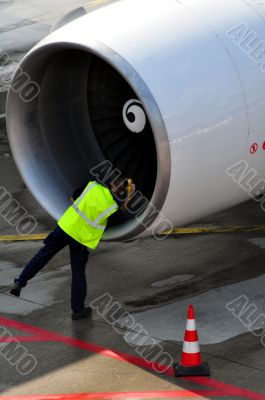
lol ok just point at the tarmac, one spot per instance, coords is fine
(146, 285)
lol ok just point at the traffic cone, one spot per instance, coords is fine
(191, 361)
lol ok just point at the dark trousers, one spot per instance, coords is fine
(55, 242)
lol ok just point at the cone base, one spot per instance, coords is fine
(199, 370)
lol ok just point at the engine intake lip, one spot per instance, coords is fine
(19, 114)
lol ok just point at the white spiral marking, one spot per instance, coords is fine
(134, 116)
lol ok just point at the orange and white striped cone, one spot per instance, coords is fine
(191, 361)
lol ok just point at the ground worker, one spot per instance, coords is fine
(81, 227)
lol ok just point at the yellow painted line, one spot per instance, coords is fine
(176, 231)
(215, 229)
(22, 238)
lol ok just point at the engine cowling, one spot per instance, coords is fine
(162, 89)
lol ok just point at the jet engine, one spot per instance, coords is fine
(170, 92)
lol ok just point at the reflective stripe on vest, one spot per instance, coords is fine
(88, 221)
(85, 193)
(105, 213)
(94, 224)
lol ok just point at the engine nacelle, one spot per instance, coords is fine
(164, 89)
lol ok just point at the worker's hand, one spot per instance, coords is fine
(131, 189)
(72, 200)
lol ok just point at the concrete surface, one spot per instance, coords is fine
(152, 280)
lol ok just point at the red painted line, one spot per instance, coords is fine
(44, 335)
(209, 382)
(23, 339)
(117, 355)
(32, 330)
(121, 395)
(93, 348)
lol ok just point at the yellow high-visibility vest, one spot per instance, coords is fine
(86, 220)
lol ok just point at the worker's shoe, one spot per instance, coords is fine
(83, 314)
(16, 289)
